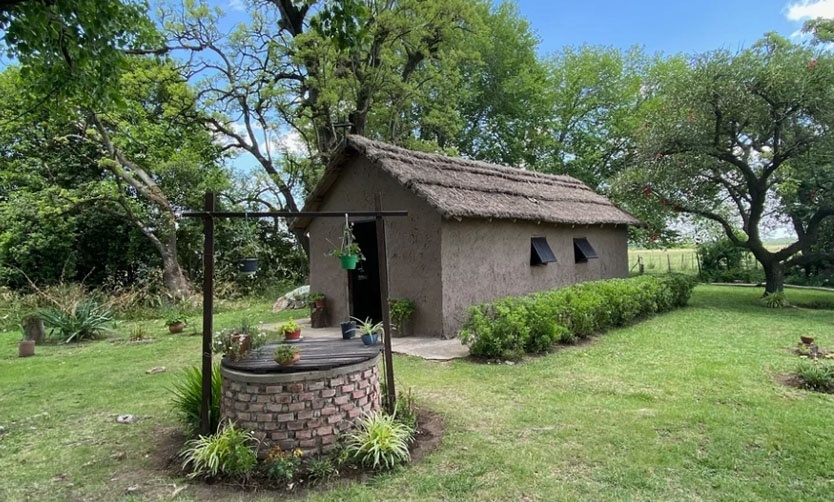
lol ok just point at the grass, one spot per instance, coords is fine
(684, 406)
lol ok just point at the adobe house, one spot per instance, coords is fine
(474, 232)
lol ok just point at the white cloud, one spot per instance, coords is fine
(237, 5)
(810, 9)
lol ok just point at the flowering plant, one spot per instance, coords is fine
(281, 465)
(236, 343)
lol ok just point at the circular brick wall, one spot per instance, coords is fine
(305, 410)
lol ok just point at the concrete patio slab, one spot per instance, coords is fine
(433, 349)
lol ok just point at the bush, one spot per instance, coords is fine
(229, 453)
(381, 442)
(188, 398)
(83, 320)
(511, 327)
(816, 375)
(282, 465)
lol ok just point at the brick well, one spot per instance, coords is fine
(306, 410)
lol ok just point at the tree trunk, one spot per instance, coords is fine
(173, 277)
(774, 276)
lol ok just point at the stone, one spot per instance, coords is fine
(155, 370)
(125, 419)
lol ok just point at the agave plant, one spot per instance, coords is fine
(83, 320)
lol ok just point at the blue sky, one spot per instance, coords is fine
(667, 26)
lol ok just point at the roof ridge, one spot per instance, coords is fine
(471, 165)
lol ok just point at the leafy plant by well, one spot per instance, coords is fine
(380, 442)
(230, 452)
(188, 397)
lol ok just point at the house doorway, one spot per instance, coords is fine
(364, 280)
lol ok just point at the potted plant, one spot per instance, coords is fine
(247, 264)
(401, 310)
(286, 355)
(238, 342)
(176, 322)
(291, 330)
(348, 251)
(26, 347)
(348, 330)
(370, 331)
(316, 300)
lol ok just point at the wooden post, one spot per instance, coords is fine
(208, 307)
(391, 397)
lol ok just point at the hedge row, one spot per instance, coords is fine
(511, 327)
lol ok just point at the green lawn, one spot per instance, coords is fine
(684, 406)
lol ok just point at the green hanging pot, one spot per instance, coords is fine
(349, 261)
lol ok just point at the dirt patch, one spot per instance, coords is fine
(166, 462)
(788, 380)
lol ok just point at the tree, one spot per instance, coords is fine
(503, 92)
(744, 140)
(75, 47)
(397, 71)
(141, 160)
(594, 112)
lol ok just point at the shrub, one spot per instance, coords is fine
(188, 398)
(282, 465)
(405, 409)
(380, 442)
(321, 469)
(510, 327)
(229, 452)
(83, 320)
(816, 375)
(775, 300)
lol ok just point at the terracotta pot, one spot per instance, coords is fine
(319, 304)
(807, 340)
(292, 361)
(176, 327)
(244, 341)
(292, 335)
(26, 348)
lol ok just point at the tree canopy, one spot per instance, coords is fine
(743, 140)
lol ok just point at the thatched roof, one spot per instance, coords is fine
(460, 188)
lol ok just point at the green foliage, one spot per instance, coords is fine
(401, 311)
(188, 397)
(230, 452)
(321, 469)
(284, 352)
(816, 375)
(775, 300)
(739, 137)
(83, 320)
(405, 409)
(380, 441)
(722, 261)
(511, 327)
(367, 327)
(281, 465)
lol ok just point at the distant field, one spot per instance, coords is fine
(683, 260)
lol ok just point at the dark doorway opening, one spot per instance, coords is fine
(364, 280)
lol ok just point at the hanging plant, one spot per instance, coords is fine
(348, 251)
(247, 250)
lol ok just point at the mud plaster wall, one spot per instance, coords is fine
(484, 260)
(413, 245)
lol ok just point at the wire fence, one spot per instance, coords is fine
(683, 260)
